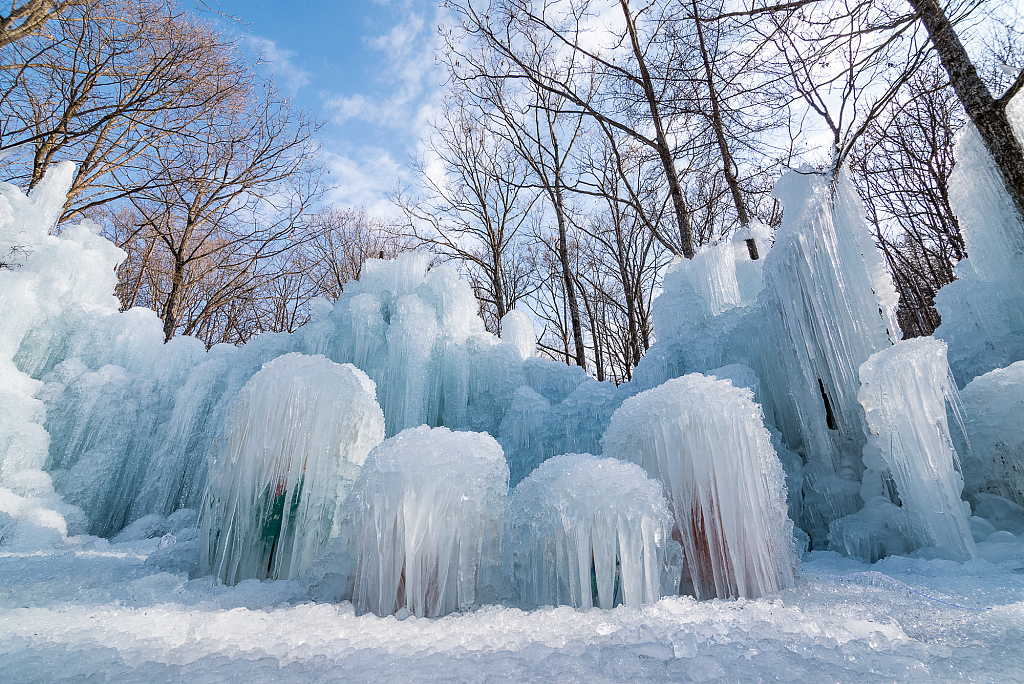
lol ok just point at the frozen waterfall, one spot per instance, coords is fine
(298, 434)
(705, 440)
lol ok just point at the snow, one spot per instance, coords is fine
(297, 437)
(706, 441)
(109, 612)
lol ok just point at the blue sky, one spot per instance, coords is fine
(366, 69)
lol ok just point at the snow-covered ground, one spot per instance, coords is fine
(97, 611)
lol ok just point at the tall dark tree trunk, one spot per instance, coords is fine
(664, 151)
(728, 165)
(987, 112)
(563, 253)
(174, 300)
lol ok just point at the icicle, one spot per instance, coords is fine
(588, 531)
(298, 433)
(706, 441)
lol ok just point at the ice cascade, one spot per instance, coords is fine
(706, 441)
(422, 527)
(588, 531)
(298, 434)
(904, 393)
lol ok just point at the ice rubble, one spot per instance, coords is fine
(421, 530)
(587, 531)
(298, 434)
(706, 440)
(905, 390)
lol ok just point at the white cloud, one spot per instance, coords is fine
(364, 178)
(290, 76)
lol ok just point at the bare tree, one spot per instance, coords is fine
(902, 167)
(227, 199)
(632, 69)
(474, 204)
(116, 79)
(988, 113)
(28, 18)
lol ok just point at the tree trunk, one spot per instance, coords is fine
(570, 286)
(174, 300)
(987, 113)
(664, 151)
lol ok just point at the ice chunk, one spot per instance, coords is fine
(993, 455)
(517, 329)
(588, 531)
(298, 433)
(706, 441)
(421, 528)
(904, 394)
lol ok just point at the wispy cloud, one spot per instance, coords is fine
(287, 74)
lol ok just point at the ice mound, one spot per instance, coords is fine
(993, 456)
(706, 441)
(904, 393)
(421, 528)
(298, 434)
(587, 532)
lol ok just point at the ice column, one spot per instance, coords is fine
(297, 435)
(904, 393)
(706, 441)
(588, 531)
(983, 310)
(829, 304)
(423, 522)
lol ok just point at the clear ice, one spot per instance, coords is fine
(297, 436)
(706, 441)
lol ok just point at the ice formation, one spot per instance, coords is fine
(904, 393)
(122, 423)
(829, 304)
(706, 441)
(298, 434)
(983, 310)
(421, 529)
(588, 531)
(993, 453)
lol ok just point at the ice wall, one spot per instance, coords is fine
(587, 531)
(122, 422)
(297, 435)
(983, 311)
(706, 441)
(904, 393)
(421, 528)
